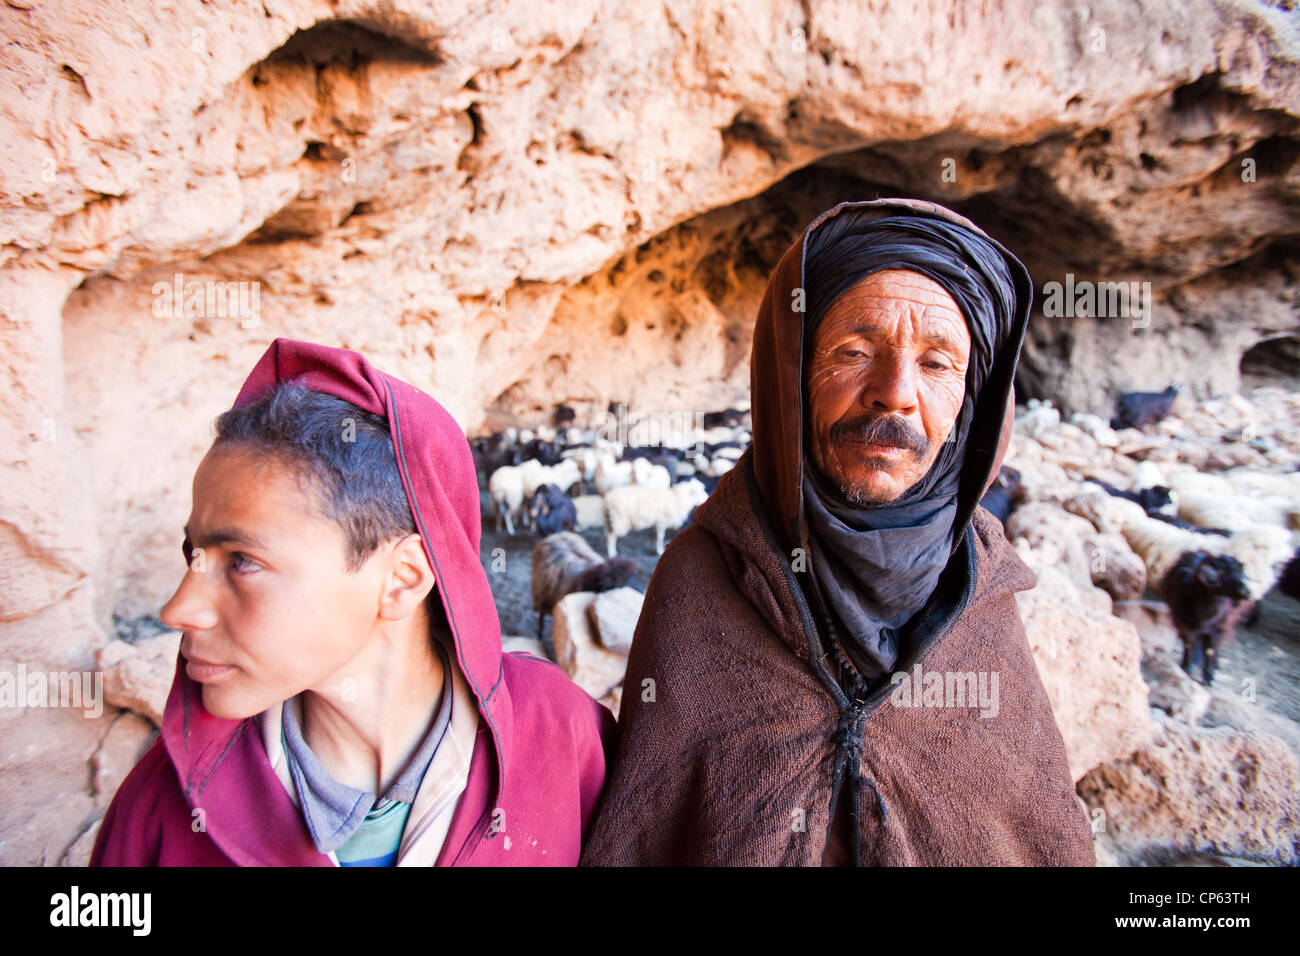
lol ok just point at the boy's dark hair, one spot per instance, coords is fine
(344, 453)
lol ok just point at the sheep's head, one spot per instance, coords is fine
(690, 493)
(1223, 575)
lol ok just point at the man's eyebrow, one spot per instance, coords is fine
(934, 336)
(224, 535)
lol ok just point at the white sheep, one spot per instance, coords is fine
(612, 474)
(646, 474)
(1199, 483)
(1259, 549)
(506, 485)
(1234, 512)
(564, 476)
(1248, 482)
(633, 508)
(586, 460)
(591, 511)
(1107, 513)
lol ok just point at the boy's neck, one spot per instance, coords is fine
(367, 721)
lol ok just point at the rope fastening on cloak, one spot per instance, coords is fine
(848, 758)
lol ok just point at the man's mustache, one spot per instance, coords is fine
(881, 430)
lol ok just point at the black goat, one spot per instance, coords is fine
(547, 452)
(1207, 595)
(563, 416)
(641, 451)
(656, 455)
(1003, 494)
(490, 461)
(1187, 525)
(710, 482)
(729, 418)
(1288, 582)
(552, 511)
(1139, 409)
(1151, 499)
(564, 563)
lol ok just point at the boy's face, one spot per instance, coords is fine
(267, 608)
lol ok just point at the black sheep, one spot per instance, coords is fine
(640, 451)
(564, 563)
(1288, 582)
(547, 452)
(552, 511)
(1139, 409)
(1207, 595)
(563, 416)
(1187, 525)
(490, 461)
(729, 418)
(710, 482)
(656, 455)
(1151, 499)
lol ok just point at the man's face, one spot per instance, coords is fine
(267, 609)
(885, 380)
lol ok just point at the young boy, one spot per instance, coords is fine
(341, 697)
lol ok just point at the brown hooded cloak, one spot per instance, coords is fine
(737, 745)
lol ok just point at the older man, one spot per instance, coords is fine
(829, 666)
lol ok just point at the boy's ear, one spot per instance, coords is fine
(408, 581)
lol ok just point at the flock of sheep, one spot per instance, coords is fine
(1208, 508)
(530, 476)
(1208, 515)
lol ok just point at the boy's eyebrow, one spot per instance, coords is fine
(223, 535)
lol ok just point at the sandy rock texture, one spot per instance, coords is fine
(1195, 792)
(521, 203)
(577, 647)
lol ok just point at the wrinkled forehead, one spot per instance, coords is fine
(896, 303)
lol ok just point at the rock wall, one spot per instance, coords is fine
(525, 203)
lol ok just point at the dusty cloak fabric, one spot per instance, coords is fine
(736, 741)
(875, 567)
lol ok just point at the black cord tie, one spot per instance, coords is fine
(880, 801)
(848, 748)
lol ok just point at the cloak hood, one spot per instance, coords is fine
(542, 744)
(751, 729)
(776, 381)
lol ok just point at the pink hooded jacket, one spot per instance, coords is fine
(206, 793)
